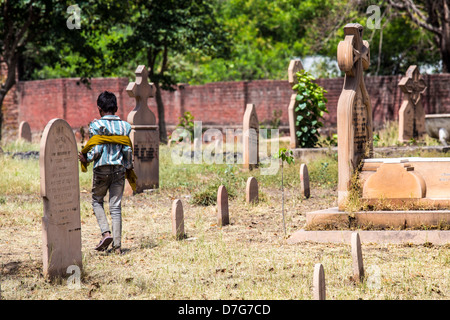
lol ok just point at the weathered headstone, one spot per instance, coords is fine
(354, 111)
(319, 282)
(358, 266)
(177, 219)
(251, 190)
(61, 225)
(24, 131)
(304, 181)
(294, 67)
(198, 150)
(411, 115)
(222, 206)
(250, 143)
(144, 132)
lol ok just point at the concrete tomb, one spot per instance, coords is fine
(418, 189)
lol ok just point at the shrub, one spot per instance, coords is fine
(311, 106)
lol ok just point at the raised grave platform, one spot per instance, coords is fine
(435, 237)
(333, 218)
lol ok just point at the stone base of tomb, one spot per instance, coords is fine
(405, 237)
(332, 218)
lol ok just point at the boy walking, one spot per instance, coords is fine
(110, 148)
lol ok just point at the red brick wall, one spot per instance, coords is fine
(219, 103)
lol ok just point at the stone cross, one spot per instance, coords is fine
(354, 110)
(358, 266)
(222, 206)
(250, 138)
(318, 282)
(60, 191)
(251, 190)
(411, 114)
(144, 132)
(294, 67)
(141, 90)
(25, 131)
(177, 219)
(304, 181)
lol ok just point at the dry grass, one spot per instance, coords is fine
(248, 259)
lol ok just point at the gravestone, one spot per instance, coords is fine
(389, 192)
(294, 67)
(354, 111)
(251, 190)
(411, 115)
(438, 127)
(24, 131)
(177, 219)
(222, 207)
(61, 225)
(358, 266)
(250, 136)
(144, 132)
(304, 181)
(318, 282)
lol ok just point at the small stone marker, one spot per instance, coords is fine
(177, 219)
(250, 134)
(222, 207)
(411, 115)
(24, 131)
(304, 180)
(144, 132)
(251, 190)
(294, 67)
(61, 224)
(358, 266)
(354, 110)
(318, 282)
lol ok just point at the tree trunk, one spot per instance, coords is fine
(4, 89)
(445, 38)
(161, 118)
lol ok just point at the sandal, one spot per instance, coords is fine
(104, 243)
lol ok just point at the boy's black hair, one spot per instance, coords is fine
(107, 102)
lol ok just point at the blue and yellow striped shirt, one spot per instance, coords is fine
(110, 154)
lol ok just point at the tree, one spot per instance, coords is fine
(285, 156)
(431, 15)
(163, 29)
(38, 32)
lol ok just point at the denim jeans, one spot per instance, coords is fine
(110, 178)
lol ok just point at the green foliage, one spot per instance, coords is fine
(285, 155)
(274, 123)
(186, 122)
(323, 171)
(329, 141)
(311, 106)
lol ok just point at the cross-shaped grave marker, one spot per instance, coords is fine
(354, 111)
(144, 132)
(411, 114)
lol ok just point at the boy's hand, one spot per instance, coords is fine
(81, 157)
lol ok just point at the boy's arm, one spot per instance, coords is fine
(127, 153)
(96, 151)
